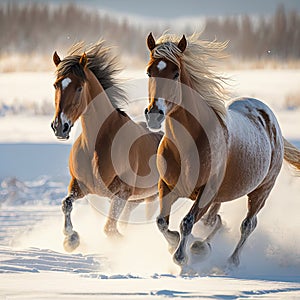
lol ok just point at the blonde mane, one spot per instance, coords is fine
(196, 61)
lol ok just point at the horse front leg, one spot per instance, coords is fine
(213, 219)
(167, 199)
(72, 240)
(186, 226)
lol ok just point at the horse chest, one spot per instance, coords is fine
(168, 164)
(183, 172)
(80, 164)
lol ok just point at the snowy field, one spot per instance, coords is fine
(34, 178)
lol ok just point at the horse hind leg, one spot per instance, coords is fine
(130, 206)
(117, 205)
(247, 227)
(256, 201)
(150, 209)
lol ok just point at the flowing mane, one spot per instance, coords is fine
(101, 62)
(195, 60)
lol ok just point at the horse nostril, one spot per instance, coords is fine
(146, 111)
(52, 126)
(66, 127)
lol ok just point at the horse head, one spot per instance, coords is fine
(69, 95)
(164, 86)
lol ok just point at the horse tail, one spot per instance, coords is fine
(292, 156)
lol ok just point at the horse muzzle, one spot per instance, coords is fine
(61, 131)
(154, 118)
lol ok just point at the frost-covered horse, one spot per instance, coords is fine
(111, 157)
(209, 154)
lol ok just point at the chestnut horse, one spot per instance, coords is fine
(209, 154)
(111, 157)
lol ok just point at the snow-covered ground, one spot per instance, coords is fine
(34, 178)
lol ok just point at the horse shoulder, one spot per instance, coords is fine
(102, 160)
(80, 165)
(113, 149)
(168, 162)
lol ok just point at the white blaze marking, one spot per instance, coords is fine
(65, 82)
(161, 65)
(161, 105)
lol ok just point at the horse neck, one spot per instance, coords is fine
(191, 105)
(98, 109)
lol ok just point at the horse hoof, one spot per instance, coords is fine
(201, 249)
(180, 259)
(116, 235)
(71, 241)
(233, 262)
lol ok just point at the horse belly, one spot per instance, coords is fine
(238, 183)
(140, 194)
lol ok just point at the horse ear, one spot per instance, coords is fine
(182, 44)
(151, 42)
(83, 60)
(56, 58)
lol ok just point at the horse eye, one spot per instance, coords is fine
(79, 89)
(176, 75)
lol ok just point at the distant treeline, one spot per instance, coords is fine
(277, 36)
(42, 28)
